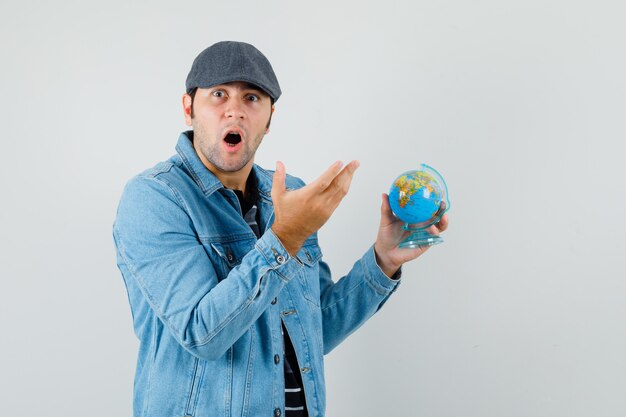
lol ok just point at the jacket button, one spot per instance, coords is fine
(277, 412)
(276, 359)
(281, 260)
(274, 301)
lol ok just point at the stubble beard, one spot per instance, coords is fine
(213, 152)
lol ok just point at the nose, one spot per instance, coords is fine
(234, 110)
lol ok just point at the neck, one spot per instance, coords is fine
(234, 180)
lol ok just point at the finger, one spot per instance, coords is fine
(324, 180)
(386, 215)
(339, 187)
(341, 183)
(433, 230)
(442, 225)
(278, 181)
(438, 227)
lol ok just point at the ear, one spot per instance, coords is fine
(267, 129)
(187, 108)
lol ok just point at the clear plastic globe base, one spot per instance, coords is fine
(419, 238)
(419, 198)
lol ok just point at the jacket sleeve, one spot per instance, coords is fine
(159, 251)
(352, 300)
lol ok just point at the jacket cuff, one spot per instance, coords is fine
(376, 277)
(277, 257)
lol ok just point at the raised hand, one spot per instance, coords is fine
(390, 233)
(299, 213)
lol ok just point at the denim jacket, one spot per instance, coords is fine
(208, 297)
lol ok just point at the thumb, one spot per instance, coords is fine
(278, 181)
(386, 215)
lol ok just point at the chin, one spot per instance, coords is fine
(233, 167)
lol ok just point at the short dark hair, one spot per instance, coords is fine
(192, 94)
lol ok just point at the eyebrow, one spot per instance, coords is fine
(245, 88)
(255, 88)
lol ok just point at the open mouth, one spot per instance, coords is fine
(232, 139)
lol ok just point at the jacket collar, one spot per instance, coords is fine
(205, 179)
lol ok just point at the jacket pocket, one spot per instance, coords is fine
(230, 254)
(197, 374)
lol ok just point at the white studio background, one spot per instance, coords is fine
(519, 104)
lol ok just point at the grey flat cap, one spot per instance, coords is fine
(229, 61)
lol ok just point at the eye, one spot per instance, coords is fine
(252, 97)
(218, 93)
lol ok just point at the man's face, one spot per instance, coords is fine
(229, 122)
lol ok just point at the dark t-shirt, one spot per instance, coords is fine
(295, 401)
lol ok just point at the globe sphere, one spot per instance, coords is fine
(419, 197)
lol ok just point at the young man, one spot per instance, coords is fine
(233, 306)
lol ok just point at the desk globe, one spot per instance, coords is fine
(419, 198)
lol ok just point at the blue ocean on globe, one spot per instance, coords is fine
(413, 199)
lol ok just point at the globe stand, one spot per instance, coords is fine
(419, 238)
